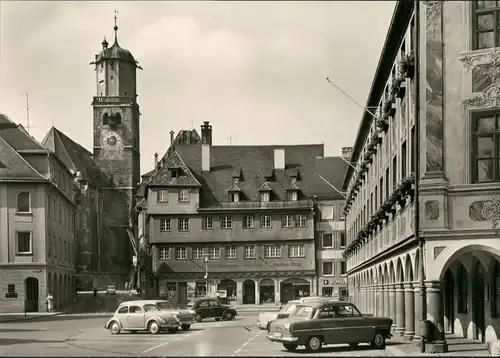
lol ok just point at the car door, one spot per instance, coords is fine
(135, 317)
(356, 328)
(215, 309)
(204, 309)
(121, 315)
(331, 325)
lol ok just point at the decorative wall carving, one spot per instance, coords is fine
(438, 250)
(491, 211)
(431, 210)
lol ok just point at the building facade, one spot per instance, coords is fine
(458, 179)
(233, 220)
(330, 239)
(37, 224)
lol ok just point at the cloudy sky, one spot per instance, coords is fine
(255, 70)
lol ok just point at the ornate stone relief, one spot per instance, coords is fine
(487, 64)
(438, 250)
(491, 211)
(432, 11)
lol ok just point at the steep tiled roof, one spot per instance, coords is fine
(17, 137)
(256, 163)
(14, 167)
(75, 157)
(333, 170)
(164, 175)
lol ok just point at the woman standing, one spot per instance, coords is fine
(50, 303)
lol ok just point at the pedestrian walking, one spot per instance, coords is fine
(126, 286)
(50, 303)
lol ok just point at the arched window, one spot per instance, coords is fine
(105, 119)
(495, 291)
(462, 283)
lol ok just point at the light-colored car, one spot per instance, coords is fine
(136, 316)
(185, 317)
(110, 290)
(265, 318)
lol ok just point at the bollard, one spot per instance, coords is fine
(494, 348)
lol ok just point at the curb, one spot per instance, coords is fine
(31, 318)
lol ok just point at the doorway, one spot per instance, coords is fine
(31, 294)
(478, 302)
(249, 292)
(183, 294)
(449, 301)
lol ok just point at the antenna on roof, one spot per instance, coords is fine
(27, 111)
(230, 138)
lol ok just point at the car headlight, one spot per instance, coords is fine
(176, 316)
(192, 312)
(287, 326)
(162, 320)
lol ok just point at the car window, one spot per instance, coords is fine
(150, 308)
(190, 303)
(304, 311)
(135, 309)
(290, 308)
(203, 304)
(348, 311)
(214, 304)
(328, 312)
(165, 305)
(123, 310)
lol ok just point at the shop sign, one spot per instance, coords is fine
(334, 282)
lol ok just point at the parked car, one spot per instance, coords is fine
(185, 317)
(139, 315)
(210, 307)
(321, 322)
(110, 290)
(265, 318)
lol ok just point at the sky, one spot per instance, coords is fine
(255, 70)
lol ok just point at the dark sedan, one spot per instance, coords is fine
(210, 307)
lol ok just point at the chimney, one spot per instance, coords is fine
(172, 138)
(347, 153)
(206, 142)
(156, 162)
(279, 159)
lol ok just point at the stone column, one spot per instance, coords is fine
(370, 304)
(257, 293)
(392, 306)
(436, 342)
(409, 312)
(400, 310)
(381, 289)
(418, 312)
(387, 312)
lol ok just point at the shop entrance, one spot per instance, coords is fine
(249, 292)
(294, 288)
(267, 291)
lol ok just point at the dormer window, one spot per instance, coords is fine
(293, 195)
(265, 196)
(235, 197)
(234, 193)
(174, 173)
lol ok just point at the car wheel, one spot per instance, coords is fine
(353, 345)
(228, 316)
(114, 328)
(290, 347)
(185, 327)
(217, 319)
(313, 344)
(378, 341)
(172, 330)
(198, 318)
(153, 327)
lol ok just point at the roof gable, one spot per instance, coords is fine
(234, 188)
(164, 175)
(17, 137)
(14, 166)
(293, 186)
(265, 187)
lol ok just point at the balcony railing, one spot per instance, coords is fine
(259, 205)
(114, 99)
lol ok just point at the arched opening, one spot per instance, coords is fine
(49, 283)
(409, 269)
(266, 289)
(31, 294)
(449, 304)
(60, 290)
(229, 286)
(294, 288)
(478, 297)
(55, 290)
(399, 272)
(249, 292)
(391, 273)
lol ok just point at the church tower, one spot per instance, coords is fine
(116, 148)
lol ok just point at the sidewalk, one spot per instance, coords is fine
(456, 347)
(15, 317)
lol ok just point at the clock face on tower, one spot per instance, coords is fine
(111, 143)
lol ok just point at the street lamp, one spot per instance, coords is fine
(206, 274)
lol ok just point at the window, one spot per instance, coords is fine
(297, 250)
(327, 291)
(486, 24)
(23, 202)
(231, 252)
(326, 212)
(265, 196)
(342, 240)
(495, 291)
(287, 221)
(328, 269)
(208, 223)
(486, 150)
(164, 253)
(134, 309)
(184, 195)
(403, 160)
(300, 220)
(293, 195)
(183, 224)
(165, 225)
(123, 310)
(235, 197)
(327, 240)
(11, 288)
(162, 196)
(462, 283)
(181, 253)
(60, 214)
(198, 253)
(214, 252)
(343, 268)
(249, 251)
(394, 171)
(387, 181)
(24, 242)
(265, 221)
(272, 251)
(248, 222)
(226, 222)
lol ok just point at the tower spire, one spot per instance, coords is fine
(116, 27)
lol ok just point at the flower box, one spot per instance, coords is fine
(407, 66)
(402, 91)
